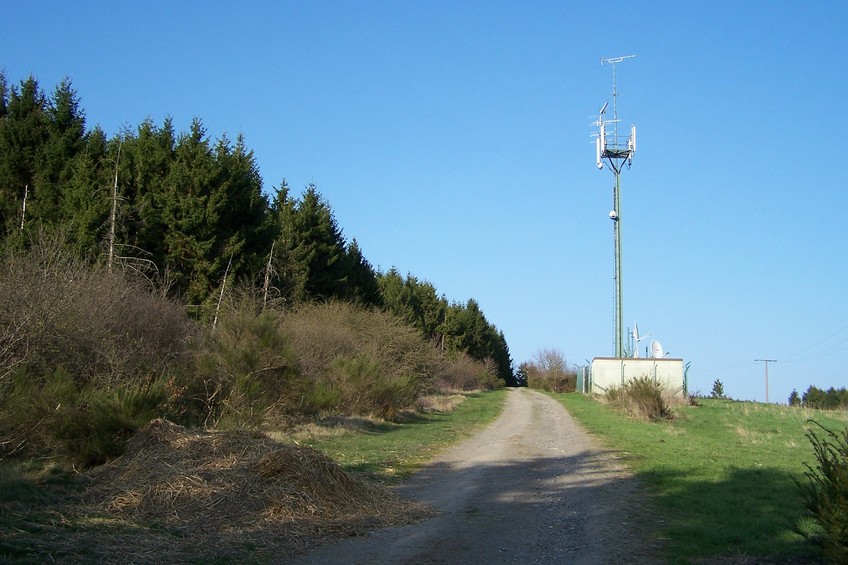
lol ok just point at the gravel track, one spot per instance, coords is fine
(533, 487)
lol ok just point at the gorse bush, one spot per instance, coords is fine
(825, 493)
(641, 398)
(357, 359)
(244, 370)
(85, 423)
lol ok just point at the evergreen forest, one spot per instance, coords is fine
(184, 218)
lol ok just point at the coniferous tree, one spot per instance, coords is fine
(65, 140)
(794, 398)
(243, 229)
(415, 301)
(396, 296)
(190, 220)
(290, 278)
(144, 168)
(362, 279)
(24, 130)
(312, 249)
(85, 199)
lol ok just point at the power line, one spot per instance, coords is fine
(829, 350)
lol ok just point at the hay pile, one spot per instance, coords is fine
(221, 494)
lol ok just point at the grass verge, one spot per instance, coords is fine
(721, 473)
(389, 452)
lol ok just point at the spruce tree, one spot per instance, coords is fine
(144, 169)
(24, 130)
(85, 199)
(718, 389)
(66, 138)
(794, 398)
(362, 279)
(190, 220)
(312, 249)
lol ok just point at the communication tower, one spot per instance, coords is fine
(617, 152)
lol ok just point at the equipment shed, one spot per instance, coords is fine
(616, 371)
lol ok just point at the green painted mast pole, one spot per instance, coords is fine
(618, 285)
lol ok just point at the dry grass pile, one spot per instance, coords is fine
(439, 402)
(217, 495)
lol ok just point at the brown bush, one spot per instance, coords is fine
(641, 398)
(358, 360)
(549, 371)
(84, 353)
(57, 311)
(461, 372)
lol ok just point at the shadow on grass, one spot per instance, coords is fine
(749, 514)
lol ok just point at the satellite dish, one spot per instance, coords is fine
(656, 349)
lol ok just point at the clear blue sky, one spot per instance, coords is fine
(452, 140)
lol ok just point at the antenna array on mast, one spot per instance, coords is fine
(612, 150)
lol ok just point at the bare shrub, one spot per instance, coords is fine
(549, 371)
(463, 373)
(58, 311)
(358, 360)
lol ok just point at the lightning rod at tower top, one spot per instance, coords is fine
(613, 150)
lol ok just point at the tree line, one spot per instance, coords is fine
(814, 397)
(190, 213)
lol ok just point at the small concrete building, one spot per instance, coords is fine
(615, 371)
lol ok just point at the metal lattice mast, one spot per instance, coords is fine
(616, 155)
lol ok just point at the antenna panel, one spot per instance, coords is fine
(598, 152)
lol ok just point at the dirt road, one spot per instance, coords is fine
(533, 487)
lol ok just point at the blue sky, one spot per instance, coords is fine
(452, 140)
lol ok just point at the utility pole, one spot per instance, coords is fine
(766, 362)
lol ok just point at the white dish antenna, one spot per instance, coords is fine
(656, 349)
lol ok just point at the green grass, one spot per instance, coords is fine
(390, 452)
(29, 491)
(721, 473)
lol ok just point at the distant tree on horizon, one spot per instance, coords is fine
(718, 390)
(794, 398)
